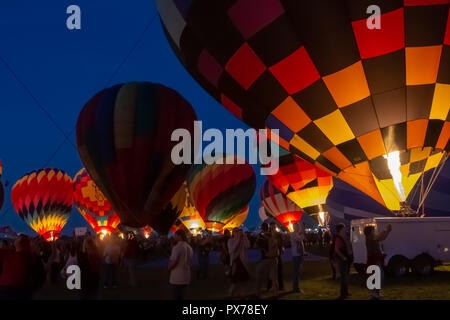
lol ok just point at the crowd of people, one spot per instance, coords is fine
(28, 263)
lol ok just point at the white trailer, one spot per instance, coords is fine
(418, 244)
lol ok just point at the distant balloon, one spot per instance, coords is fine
(367, 106)
(304, 184)
(124, 141)
(237, 220)
(93, 205)
(43, 199)
(220, 191)
(280, 207)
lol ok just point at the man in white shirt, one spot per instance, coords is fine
(297, 237)
(180, 265)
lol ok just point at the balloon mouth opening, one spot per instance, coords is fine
(50, 236)
(104, 230)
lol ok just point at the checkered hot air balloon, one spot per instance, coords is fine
(93, 205)
(43, 199)
(279, 206)
(304, 184)
(367, 105)
(220, 191)
(124, 141)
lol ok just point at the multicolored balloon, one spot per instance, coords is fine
(43, 199)
(279, 206)
(93, 205)
(220, 191)
(237, 220)
(367, 105)
(304, 184)
(124, 141)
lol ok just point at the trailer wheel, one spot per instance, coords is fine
(360, 268)
(398, 266)
(422, 265)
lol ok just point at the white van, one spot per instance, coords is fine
(418, 244)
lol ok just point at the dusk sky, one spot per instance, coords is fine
(48, 73)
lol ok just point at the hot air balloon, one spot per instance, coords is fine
(93, 205)
(220, 191)
(368, 105)
(280, 207)
(303, 183)
(191, 218)
(237, 220)
(43, 199)
(164, 220)
(124, 141)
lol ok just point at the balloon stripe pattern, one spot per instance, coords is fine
(43, 199)
(280, 207)
(93, 205)
(124, 141)
(343, 92)
(220, 191)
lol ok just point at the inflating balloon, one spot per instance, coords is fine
(220, 191)
(279, 206)
(93, 205)
(368, 105)
(304, 184)
(124, 141)
(43, 199)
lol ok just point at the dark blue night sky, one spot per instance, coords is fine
(48, 72)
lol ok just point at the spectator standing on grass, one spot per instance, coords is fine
(204, 248)
(298, 250)
(279, 238)
(72, 260)
(267, 267)
(130, 254)
(111, 255)
(90, 264)
(343, 255)
(375, 256)
(55, 262)
(238, 245)
(180, 265)
(21, 271)
(224, 252)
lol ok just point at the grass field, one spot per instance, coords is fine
(316, 283)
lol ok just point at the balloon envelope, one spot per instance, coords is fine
(124, 141)
(93, 205)
(43, 199)
(279, 206)
(220, 191)
(341, 95)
